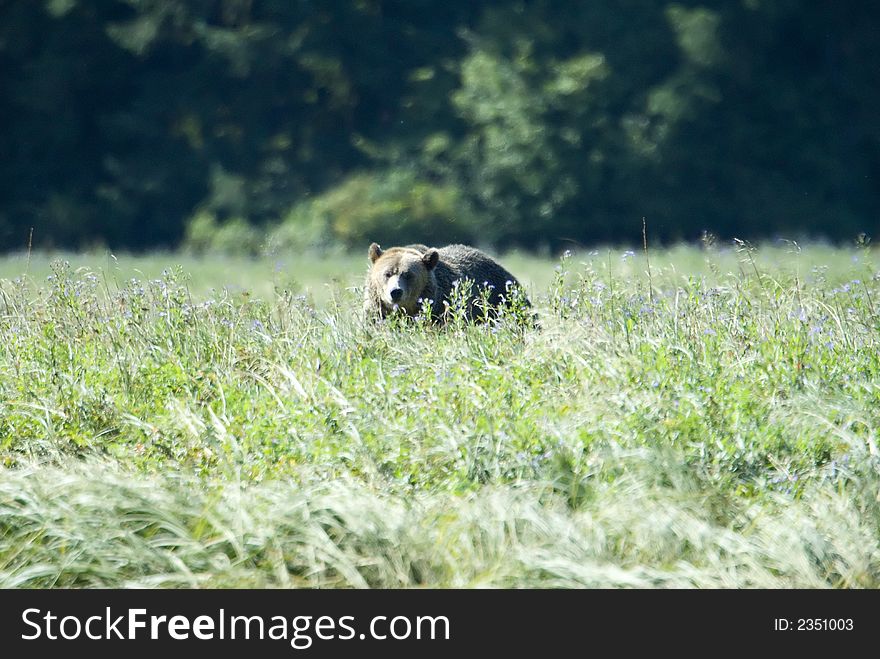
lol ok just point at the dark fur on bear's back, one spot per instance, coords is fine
(460, 263)
(454, 263)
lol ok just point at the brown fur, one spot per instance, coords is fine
(400, 278)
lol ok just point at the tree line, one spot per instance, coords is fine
(295, 123)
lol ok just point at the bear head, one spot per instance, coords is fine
(400, 275)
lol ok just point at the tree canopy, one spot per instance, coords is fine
(143, 123)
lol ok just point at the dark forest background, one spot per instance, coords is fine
(242, 124)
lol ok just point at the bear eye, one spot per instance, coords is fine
(387, 274)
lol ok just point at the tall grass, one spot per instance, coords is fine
(712, 426)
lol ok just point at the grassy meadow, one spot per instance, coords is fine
(697, 418)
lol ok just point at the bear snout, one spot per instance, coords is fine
(396, 294)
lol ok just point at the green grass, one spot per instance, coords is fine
(173, 421)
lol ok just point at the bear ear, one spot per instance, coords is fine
(375, 252)
(430, 258)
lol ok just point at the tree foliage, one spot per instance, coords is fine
(526, 123)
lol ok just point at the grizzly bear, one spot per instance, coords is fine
(401, 278)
